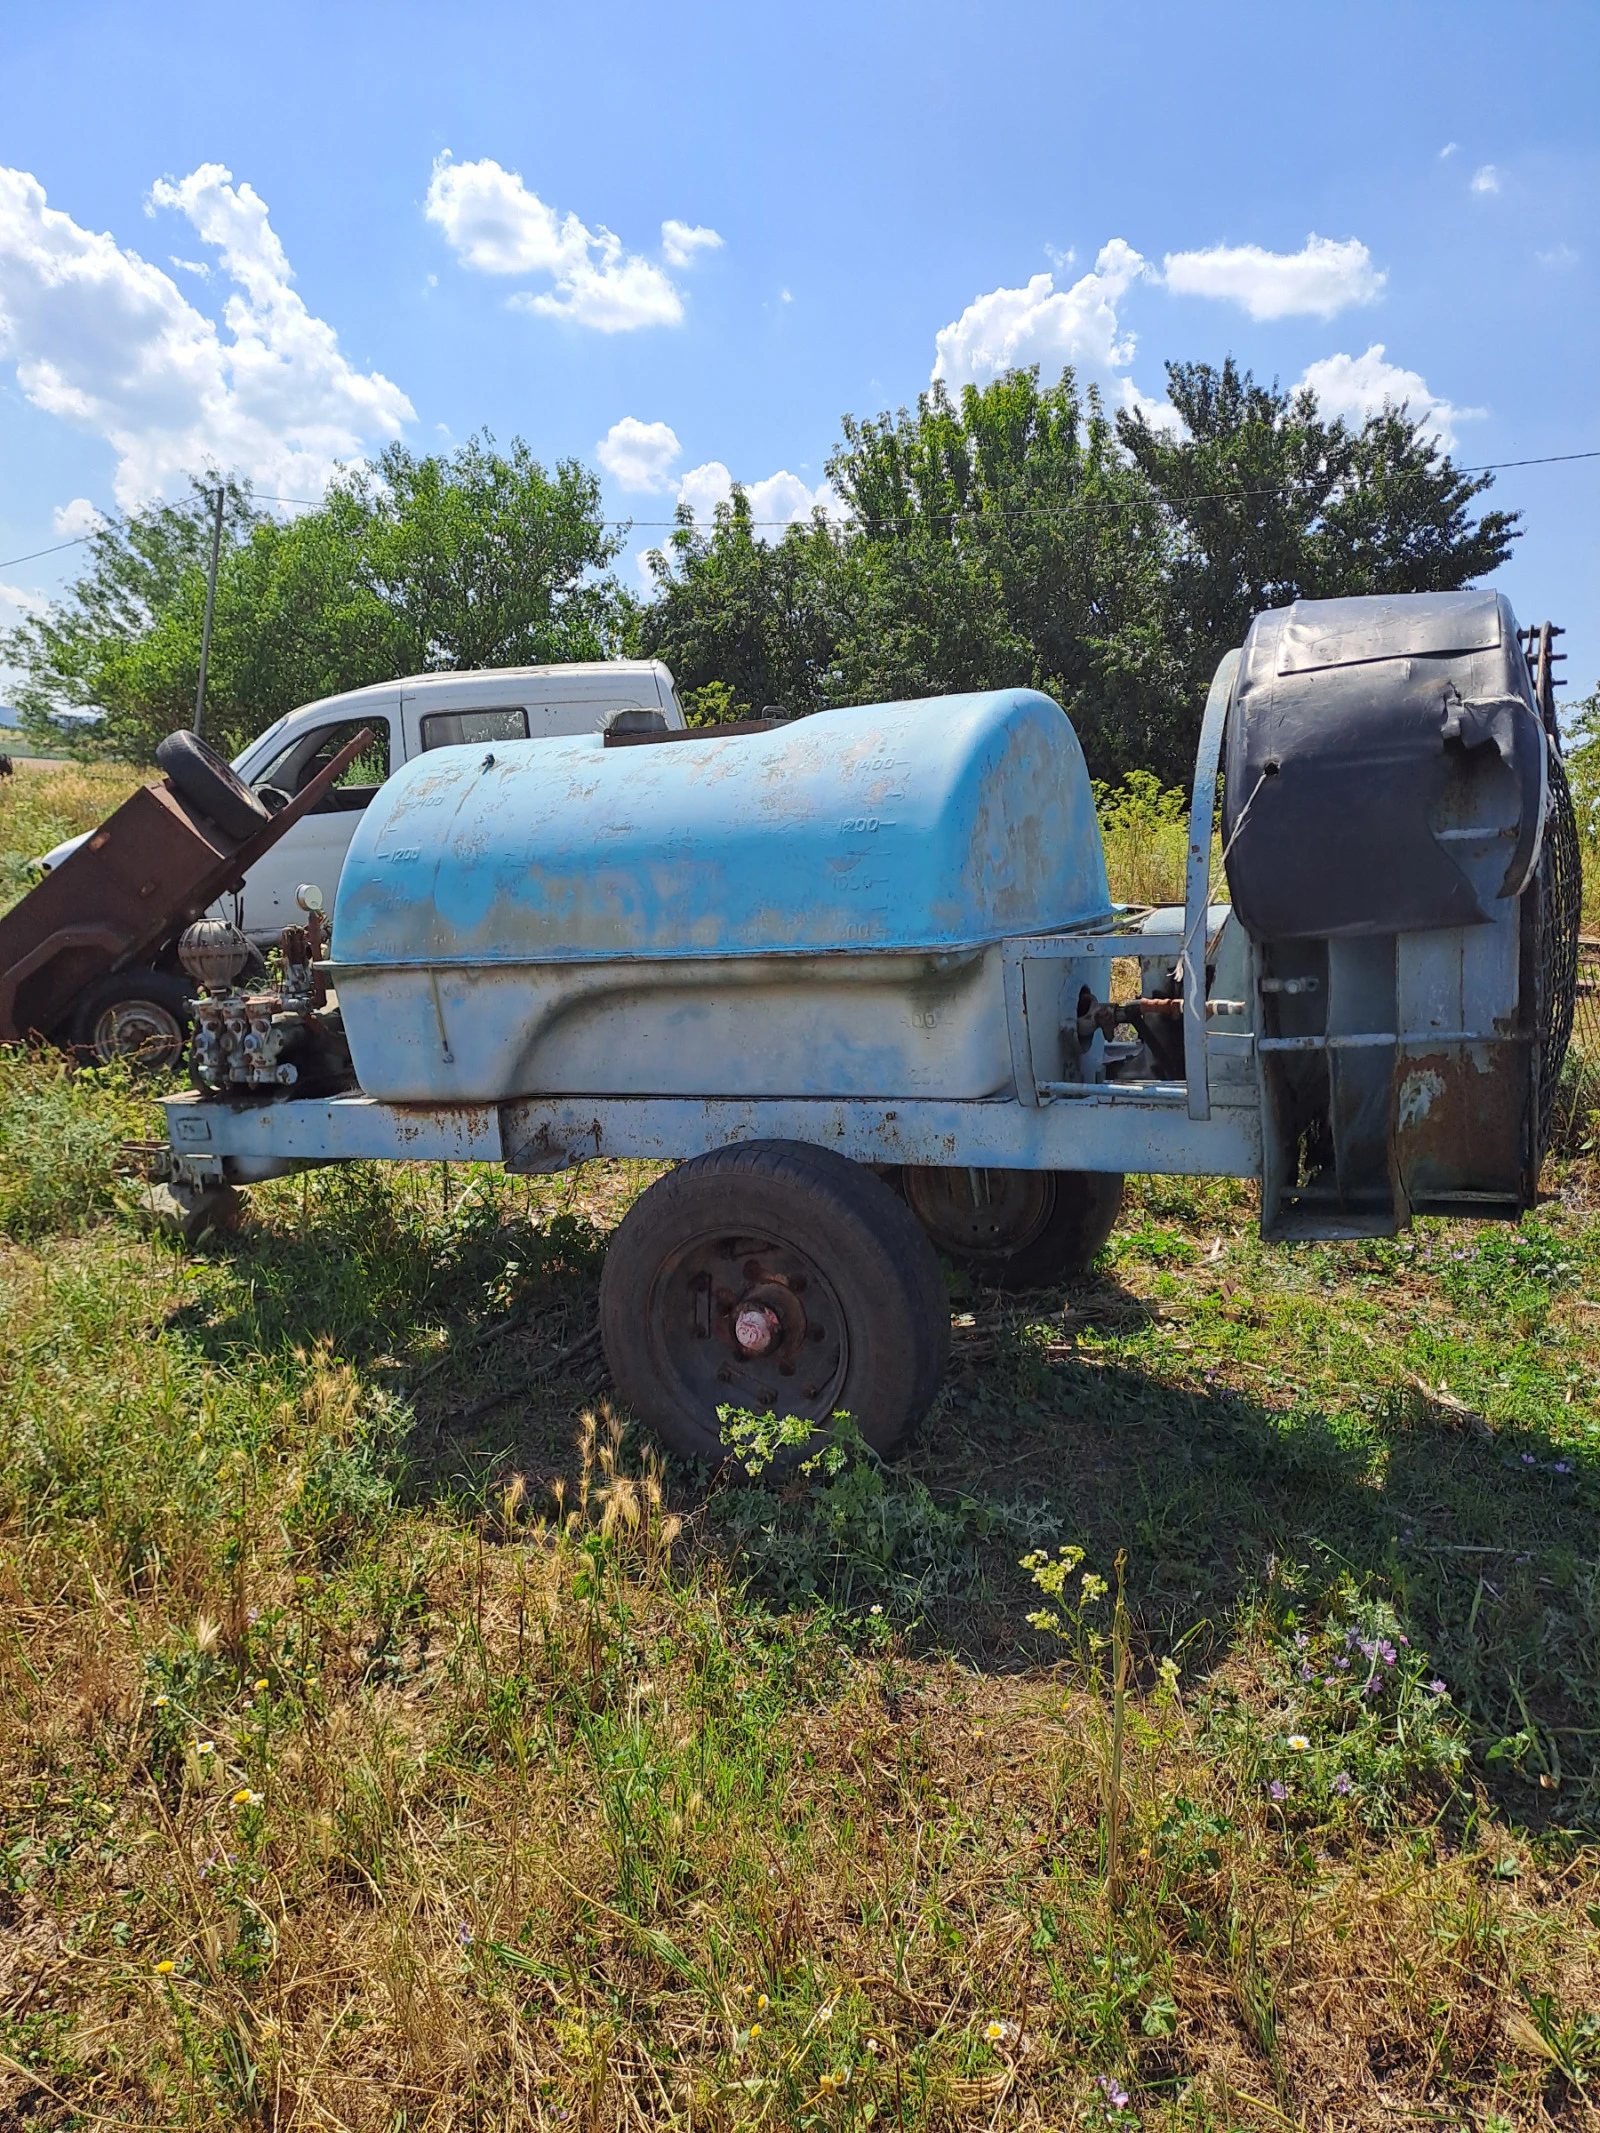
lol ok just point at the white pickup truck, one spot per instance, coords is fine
(407, 717)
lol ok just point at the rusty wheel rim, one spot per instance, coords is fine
(749, 1321)
(981, 1214)
(141, 1031)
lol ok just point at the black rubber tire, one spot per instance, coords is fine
(156, 1009)
(874, 1333)
(200, 776)
(1034, 1237)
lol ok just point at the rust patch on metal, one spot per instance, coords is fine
(1459, 1125)
(141, 878)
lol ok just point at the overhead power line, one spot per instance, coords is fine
(651, 525)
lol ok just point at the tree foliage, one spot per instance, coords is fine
(1270, 503)
(409, 565)
(1019, 536)
(1016, 535)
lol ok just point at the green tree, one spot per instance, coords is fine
(1270, 503)
(409, 565)
(761, 618)
(141, 568)
(1005, 540)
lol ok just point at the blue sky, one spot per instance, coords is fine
(681, 242)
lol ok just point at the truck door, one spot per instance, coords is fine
(314, 849)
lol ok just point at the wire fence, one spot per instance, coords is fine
(1578, 1099)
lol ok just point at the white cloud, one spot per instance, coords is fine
(1486, 179)
(637, 455)
(75, 519)
(16, 604)
(105, 340)
(780, 500)
(681, 240)
(1559, 256)
(495, 224)
(1045, 325)
(1450, 148)
(188, 266)
(1320, 280)
(1358, 386)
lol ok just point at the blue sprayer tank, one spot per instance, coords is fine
(811, 911)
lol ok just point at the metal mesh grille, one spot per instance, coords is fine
(1559, 921)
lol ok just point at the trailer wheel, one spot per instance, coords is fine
(1019, 1229)
(200, 776)
(776, 1277)
(142, 1016)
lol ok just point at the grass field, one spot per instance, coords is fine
(374, 1757)
(43, 802)
(389, 1740)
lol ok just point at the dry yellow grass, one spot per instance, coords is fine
(43, 802)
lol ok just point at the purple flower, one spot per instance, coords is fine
(464, 1935)
(1342, 1782)
(1305, 1673)
(1301, 1641)
(1436, 1688)
(1278, 1789)
(1528, 1459)
(1330, 1681)
(1561, 1467)
(1386, 1652)
(1405, 1640)
(1342, 1662)
(1114, 2095)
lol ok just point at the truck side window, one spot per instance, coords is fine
(308, 753)
(454, 729)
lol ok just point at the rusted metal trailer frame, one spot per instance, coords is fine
(124, 895)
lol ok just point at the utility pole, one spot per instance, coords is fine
(211, 601)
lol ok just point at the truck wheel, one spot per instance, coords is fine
(200, 776)
(1019, 1229)
(142, 1016)
(777, 1277)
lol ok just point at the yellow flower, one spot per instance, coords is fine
(762, 2003)
(244, 1797)
(755, 2029)
(995, 2031)
(165, 1969)
(1299, 1743)
(161, 1703)
(262, 1683)
(203, 1747)
(825, 2083)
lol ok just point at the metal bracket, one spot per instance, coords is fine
(1197, 886)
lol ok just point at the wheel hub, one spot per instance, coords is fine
(750, 1322)
(140, 1030)
(756, 1328)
